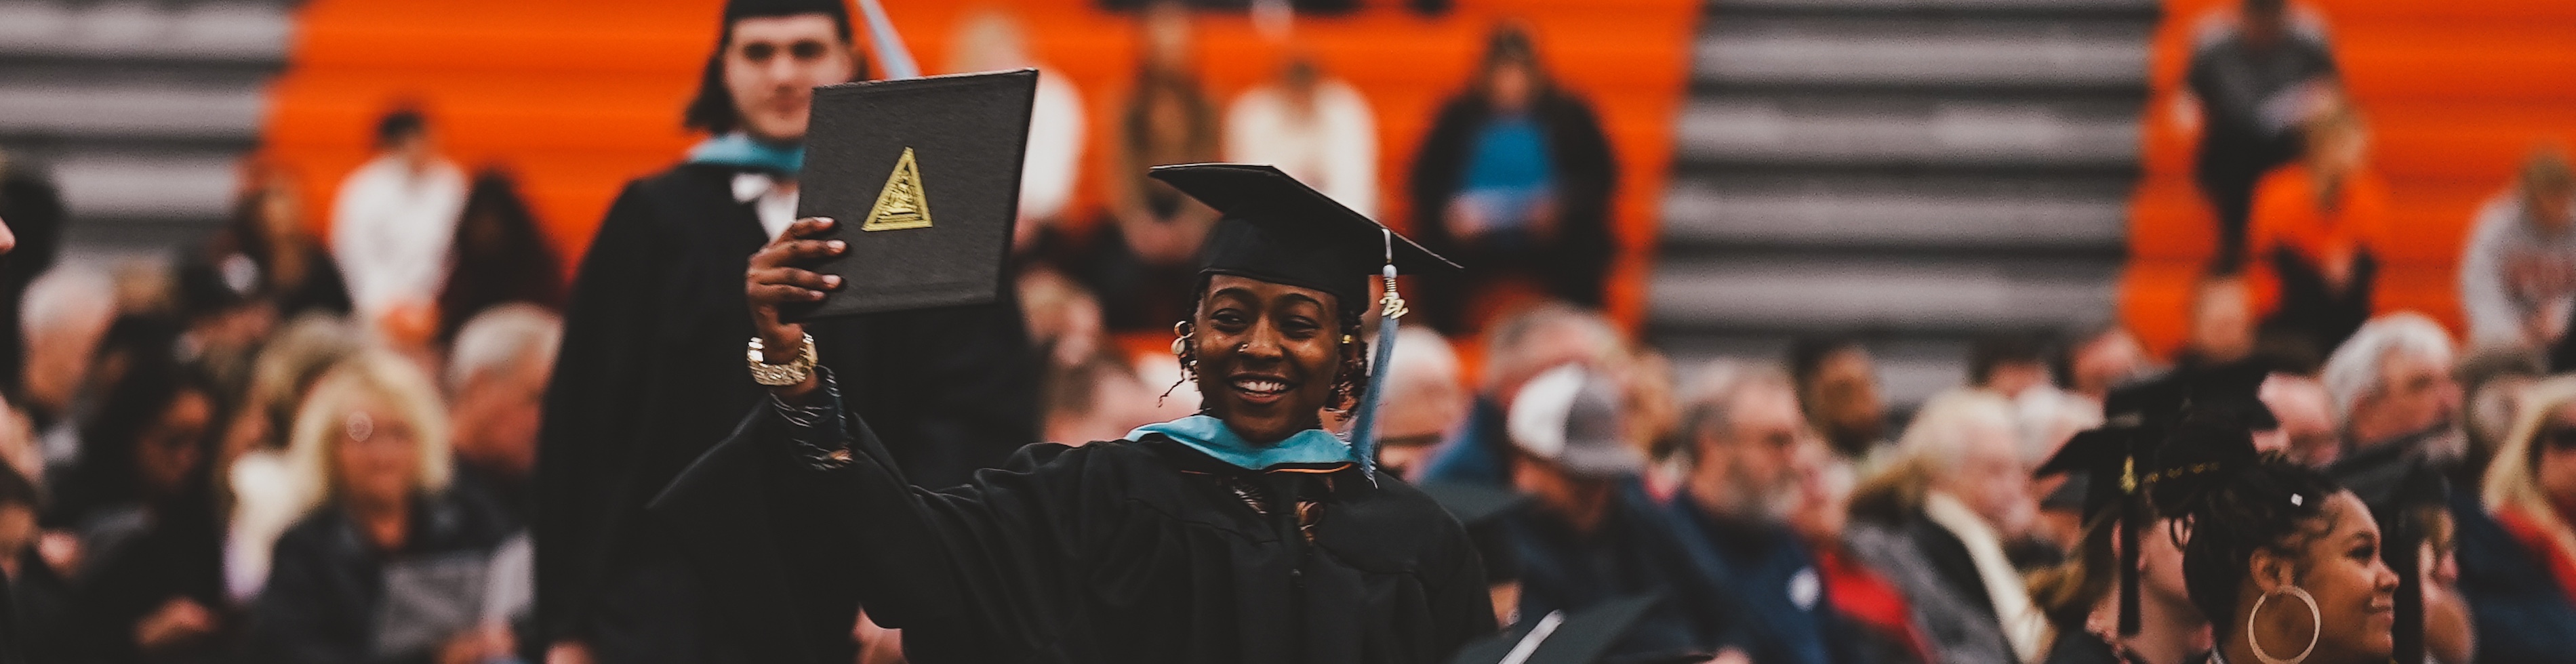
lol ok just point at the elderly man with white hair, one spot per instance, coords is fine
(496, 383)
(2391, 383)
(1424, 405)
(1743, 431)
(63, 316)
(1517, 350)
(1938, 523)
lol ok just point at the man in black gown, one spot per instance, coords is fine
(650, 373)
(1247, 534)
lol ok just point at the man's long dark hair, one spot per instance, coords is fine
(712, 110)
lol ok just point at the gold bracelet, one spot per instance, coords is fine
(781, 375)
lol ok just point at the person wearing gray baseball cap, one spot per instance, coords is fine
(1593, 534)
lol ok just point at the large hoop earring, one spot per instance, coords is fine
(2315, 617)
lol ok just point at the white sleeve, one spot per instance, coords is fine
(2485, 298)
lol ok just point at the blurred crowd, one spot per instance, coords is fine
(280, 448)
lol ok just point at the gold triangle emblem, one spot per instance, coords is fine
(901, 205)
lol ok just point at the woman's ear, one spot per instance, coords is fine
(2271, 571)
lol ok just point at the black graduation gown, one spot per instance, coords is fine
(327, 582)
(1120, 551)
(651, 375)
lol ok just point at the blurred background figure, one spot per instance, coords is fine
(2255, 81)
(394, 219)
(1945, 521)
(1168, 118)
(2107, 357)
(1734, 509)
(1592, 535)
(2492, 383)
(38, 596)
(2518, 271)
(1316, 127)
(1838, 387)
(267, 493)
(390, 561)
(2222, 325)
(1425, 404)
(63, 319)
(2318, 230)
(2309, 433)
(496, 385)
(500, 257)
(1513, 182)
(1063, 318)
(1094, 399)
(2392, 385)
(150, 523)
(264, 267)
(992, 40)
(1517, 349)
(2008, 364)
(2518, 570)
(33, 206)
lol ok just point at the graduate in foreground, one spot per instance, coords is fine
(1247, 533)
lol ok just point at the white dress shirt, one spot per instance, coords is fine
(390, 231)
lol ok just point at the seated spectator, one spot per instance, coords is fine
(1514, 182)
(1879, 622)
(500, 257)
(2392, 385)
(389, 563)
(2007, 364)
(267, 496)
(1063, 318)
(2308, 434)
(152, 535)
(65, 317)
(2082, 599)
(2518, 570)
(1592, 535)
(394, 219)
(1425, 404)
(1744, 432)
(2317, 227)
(1098, 398)
(35, 598)
(2104, 359)
(1316, 127)
(268, 253)
(2492, 381)
(2518, 272)
(1519, 348)
(992, 40)
(1140, 268)
(1837, 382)
(496, 383)
(1939, 522)
(2254, 81)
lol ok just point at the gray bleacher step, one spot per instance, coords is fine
(1866, 131)
(203, 32)
(146, 186)
(1920, 212)
(1926, 294)
(113, 109)
(1842, 51)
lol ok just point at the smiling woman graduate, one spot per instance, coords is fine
(1247, 533)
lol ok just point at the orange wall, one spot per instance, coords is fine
(579, 96)
(2457, 94)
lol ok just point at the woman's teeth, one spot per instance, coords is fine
(1261, 386)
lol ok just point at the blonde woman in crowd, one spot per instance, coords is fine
(2518, 571)
(387, 561)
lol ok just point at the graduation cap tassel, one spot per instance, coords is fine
(886, 43)
(2405, 542)
(1364, 426)
(2129, 523)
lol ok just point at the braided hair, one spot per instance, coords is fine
(2231, 503)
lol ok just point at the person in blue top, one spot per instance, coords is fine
(1246, 533)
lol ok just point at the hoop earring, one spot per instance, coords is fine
(1189, 360)
(2315, 617)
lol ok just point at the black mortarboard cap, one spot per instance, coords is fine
(735, 10)
(1279, 230)
(1580, 637)
(2398, 483)
(1482, 510)
(921, 177)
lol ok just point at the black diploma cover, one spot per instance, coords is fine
(922, 176)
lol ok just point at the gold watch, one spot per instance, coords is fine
(781, 375)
